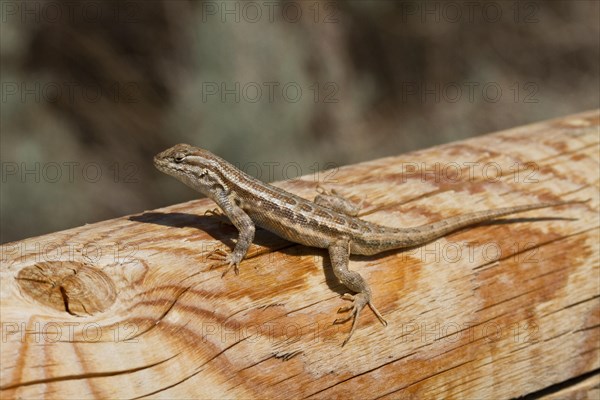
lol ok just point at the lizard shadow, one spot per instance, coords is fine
(212, 225)
(225, 233)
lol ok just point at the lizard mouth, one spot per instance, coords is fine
(161, 164)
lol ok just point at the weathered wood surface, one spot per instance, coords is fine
(129, 308)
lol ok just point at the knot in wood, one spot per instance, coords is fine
(73, 287)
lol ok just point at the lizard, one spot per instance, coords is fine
(330, 221)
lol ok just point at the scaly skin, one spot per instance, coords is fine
(329, 222)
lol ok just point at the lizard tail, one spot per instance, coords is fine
(428, 232)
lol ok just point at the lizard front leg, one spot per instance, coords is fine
(339, 253)
(244, 225)
(332, 199)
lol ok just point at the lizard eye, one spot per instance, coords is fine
(179, 157)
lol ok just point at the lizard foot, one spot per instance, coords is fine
(334, 200)
(225, 258)
(359, 300)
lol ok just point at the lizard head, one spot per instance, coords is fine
(198, 168)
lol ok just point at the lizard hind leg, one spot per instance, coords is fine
(333, 200)
(339, 253)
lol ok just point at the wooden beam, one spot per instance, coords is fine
(130, 307)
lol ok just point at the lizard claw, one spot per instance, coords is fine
(226, 258)
(232, 263)
(322, 190)
(214, 212)
(348, 296)
(217, 254)
(359, 301)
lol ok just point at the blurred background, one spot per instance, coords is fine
(91, 90)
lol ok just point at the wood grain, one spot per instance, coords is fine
(130, 308)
